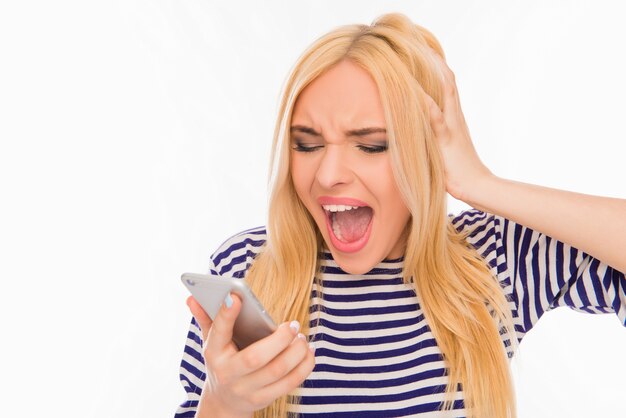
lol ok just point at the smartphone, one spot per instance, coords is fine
(253, 322)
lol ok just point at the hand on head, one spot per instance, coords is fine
(463, 168)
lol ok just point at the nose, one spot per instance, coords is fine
(334, 168)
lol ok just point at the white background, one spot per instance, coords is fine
(135, 138)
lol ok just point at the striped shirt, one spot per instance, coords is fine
(375, 355)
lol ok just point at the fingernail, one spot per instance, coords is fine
(295, 326)
(312, 347)
(228, 301)
(301, 336)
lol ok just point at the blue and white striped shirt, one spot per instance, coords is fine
(375, 354)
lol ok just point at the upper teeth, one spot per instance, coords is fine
(338, 208)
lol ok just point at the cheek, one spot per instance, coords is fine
(396, 204)
(380, 181)
(300, 175)
(389, 196)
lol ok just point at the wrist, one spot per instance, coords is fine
(211, 406)
(482, 192)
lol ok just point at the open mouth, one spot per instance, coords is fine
(348, 226)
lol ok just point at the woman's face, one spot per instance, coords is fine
(334, 169)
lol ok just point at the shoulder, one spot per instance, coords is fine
(483, 230)
(234, 256)
(473, 221)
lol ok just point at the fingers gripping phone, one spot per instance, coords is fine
(253, 322)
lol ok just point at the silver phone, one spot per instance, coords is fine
(253, 322)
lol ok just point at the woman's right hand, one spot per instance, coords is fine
(240, 382)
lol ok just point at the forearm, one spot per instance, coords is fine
(593, 224)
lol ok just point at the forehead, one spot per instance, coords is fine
(343, 97)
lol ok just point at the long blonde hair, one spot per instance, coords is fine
(462, 301)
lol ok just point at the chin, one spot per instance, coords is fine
(356, 270)
(355, 266)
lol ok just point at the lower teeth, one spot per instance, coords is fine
(336, 229)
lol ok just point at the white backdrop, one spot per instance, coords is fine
(135, 138)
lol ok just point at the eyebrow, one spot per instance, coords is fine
(352, 132)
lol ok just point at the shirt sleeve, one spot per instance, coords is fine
(540, 273)
(192, 371)
(231, 259)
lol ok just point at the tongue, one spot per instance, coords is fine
(352, 223)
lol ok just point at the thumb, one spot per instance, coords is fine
(202, 318)
(437, 119)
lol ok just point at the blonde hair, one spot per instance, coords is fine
(462, 301)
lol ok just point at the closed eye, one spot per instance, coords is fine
(369, 149)
(372, 150)
(301, 148)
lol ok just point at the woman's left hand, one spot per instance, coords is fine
(464, 171)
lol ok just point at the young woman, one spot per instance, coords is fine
(389, 306)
